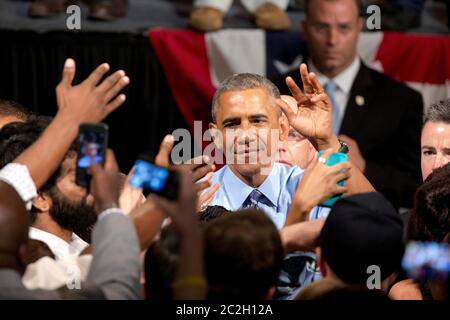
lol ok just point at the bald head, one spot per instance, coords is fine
(13, 226)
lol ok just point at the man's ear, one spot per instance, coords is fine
(321, 262)
(360, 24)
(284, 127)
(42, 202)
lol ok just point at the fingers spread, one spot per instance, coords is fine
(307, 86)
(162, 159)
(114, 91)
(200, 186)
(285, 108)
(295, 90)
(106, 85)
(68, 73)
(202, 171)
(315, 83)
(97, 74)
(117, 102)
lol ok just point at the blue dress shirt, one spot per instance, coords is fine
(279, 189)
(299, 268)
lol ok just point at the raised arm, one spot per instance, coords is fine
(90, 101)
(313, 120)
(115, 267)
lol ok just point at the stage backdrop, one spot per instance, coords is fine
(195, 63)
(31, 65)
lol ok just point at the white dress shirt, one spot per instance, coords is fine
(58, 246)
(47, 273)
(344, 82)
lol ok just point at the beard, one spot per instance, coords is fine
(76, 216)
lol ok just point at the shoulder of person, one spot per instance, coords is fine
(405, 290)
(396, 87)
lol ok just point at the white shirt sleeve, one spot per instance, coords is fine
(18, 177)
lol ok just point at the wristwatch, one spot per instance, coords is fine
(343, 148)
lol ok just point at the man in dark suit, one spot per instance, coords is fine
(378, 117)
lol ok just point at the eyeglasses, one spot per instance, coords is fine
(294, 136)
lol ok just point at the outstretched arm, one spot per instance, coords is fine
(90, 101)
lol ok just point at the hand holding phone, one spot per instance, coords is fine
(155, 179)
(333, 159)
(92, 143)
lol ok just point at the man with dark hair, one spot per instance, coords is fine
(11, 111)
(62, 214)
(429, 222)
(161, 259)
(243, 256)
(378, 117)
(435, 141)
(212, 212)
(361, 244)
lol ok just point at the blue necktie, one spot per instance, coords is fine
(253, 199)
(331, 89)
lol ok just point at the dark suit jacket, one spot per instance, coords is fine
(387, 129)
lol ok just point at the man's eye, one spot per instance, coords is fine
(428, 152)
(344, 29)
(320, 27)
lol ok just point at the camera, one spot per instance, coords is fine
(154, 179)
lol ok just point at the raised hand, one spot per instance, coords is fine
(93, 99)
(105, 183)
(313, 117)
(319, 183)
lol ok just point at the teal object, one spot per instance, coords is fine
(333, 159)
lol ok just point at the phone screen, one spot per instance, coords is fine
(92, 149)
(92, 144)
(149, 176)
(155, 179)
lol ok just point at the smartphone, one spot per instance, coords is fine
(332, 160)
(427, 260)
(155, 179)
(92, 142)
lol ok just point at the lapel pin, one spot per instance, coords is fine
(360, 101)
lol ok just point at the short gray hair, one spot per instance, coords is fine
(244, 81)
(438, 112)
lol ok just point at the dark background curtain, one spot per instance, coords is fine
(31, 65)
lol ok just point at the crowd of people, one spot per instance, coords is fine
(252, 229)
